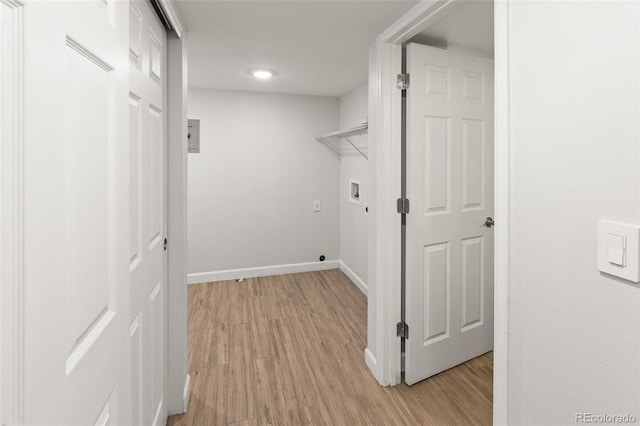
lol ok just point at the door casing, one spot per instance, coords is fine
(11, 210)
(383, 354)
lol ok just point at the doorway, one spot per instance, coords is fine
(384, 351)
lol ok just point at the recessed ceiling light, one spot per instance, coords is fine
(262, 74)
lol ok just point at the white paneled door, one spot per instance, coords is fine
(75, 367)
(449, 244)
(147, 171)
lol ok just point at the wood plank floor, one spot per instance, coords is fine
(289, 349)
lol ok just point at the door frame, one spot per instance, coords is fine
(383, 354)
(178, 379)
(12, 211)
(177, 384)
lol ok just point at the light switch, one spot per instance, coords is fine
(619, 250)
(317, 206)
(616, 249)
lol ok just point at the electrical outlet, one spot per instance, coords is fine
(316, 206)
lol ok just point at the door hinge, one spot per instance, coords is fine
(402, 329)
(403, 205)
(403, 81)
(166, 243)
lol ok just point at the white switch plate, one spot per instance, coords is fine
(317, 206)
(619, 250)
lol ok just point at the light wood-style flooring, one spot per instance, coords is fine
(289, 349)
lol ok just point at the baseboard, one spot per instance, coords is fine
(264, 271)
(185, 392)
(354, 278)
(370, 360)
(161, 416)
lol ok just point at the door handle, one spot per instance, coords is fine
(489, 222)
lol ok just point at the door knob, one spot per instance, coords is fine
(489, 222)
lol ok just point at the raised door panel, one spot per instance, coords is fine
(156, 314)
(135, 35)
(137, 371)
(90, 287)
(105, 418)
(437, 152)
(135, 179)
(436, 293)
(472, 283)
(473, 87)
(155, 208)
(437, 82)
(76, 197)
(473, 164)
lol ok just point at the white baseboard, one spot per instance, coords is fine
(161, 415)
(185, 392)
(370, 360)
(354, 278)
(264, 271)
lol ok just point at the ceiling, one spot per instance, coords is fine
(313, 47)
(468, 27)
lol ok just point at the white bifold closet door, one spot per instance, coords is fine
(75, 306)
(449, 250)
(147, 252)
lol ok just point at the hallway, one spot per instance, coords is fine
(289, 350)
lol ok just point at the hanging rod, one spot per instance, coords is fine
(344, 134)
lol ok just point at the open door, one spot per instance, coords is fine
(449, 235)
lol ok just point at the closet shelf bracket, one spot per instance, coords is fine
(332, 140)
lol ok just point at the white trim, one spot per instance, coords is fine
(502, 176)
(185, 393)
(385, 170)
(354, 278)
(263, 271)
(11, 216)
(177, 354)
(417, 19)
(370, 360)
(174, 16)
(160, 417)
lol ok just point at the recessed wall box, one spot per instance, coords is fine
(354, 191)
(193, 136)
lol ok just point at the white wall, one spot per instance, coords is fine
(575, 333)
(252, 186)
(353, 221)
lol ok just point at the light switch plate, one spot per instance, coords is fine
(619, 250)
